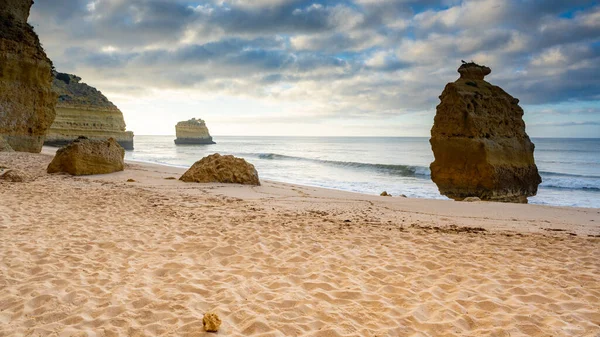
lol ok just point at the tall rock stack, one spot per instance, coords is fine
(193, 131)
(82, 110)
(26, 97)
(479, 142)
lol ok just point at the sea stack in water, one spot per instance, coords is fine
(222, 169)
(193, 131)
(479, 142)
(85, 156)
(26, 97)
(82, 110)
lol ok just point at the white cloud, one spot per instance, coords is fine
(550, 57)
(363, 59)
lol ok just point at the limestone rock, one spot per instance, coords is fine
(479, 142)
(26, 97)
(14, 176)
(211, 322)
(222, 169)
(85, 156)
(193, 131)
(472, 71)
(81, 110)
(4, 146)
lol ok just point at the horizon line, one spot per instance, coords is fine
(304, 136)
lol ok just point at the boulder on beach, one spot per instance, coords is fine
(85, 156)
(479, 142)
(222, 169)
(26, 97)
(4, 146)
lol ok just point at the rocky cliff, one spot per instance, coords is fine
(479, 142)
(193, 131)
(26, 97)
(82, 110)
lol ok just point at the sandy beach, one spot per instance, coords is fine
(100, 256)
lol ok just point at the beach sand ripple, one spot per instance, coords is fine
(100, 257)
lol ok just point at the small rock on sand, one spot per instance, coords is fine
(211, 322)
(14, 176)
(4, 146)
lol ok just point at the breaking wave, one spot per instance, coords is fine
(401, 170)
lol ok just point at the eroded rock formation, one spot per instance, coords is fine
(193, 131)
(222, 169)
(479, 142)
(82, 110)
(86, 156)
(26, 97)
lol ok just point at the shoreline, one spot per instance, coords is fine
(578, 220)
(49, 150)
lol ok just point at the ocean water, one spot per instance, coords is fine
(570, 168)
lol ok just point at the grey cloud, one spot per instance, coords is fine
(359, 58)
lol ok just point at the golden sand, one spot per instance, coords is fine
(98, 256)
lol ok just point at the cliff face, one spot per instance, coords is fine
(193, 131)
(26, 98)
(82, 110)
(479, 142)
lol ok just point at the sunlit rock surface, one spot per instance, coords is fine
(479, 142)
(193, 131)
(86, 156)
(82, 110)
(26, 97)
(222, 169)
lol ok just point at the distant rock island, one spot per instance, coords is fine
(82, 110)
(479, 142)
(193, 131)
(26, 97)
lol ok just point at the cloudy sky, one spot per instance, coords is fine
(345, 67)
